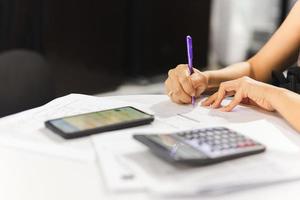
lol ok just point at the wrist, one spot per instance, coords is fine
(275, 96)
(211, 87)
(207, 76)
(210, 80)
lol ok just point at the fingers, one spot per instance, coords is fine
(200, 82)
(238, 98)
(186, 84)
(198, 79)
(180, 84)
(220, 96)
(178, 95)
(226, 89)
(246, 90)
(191, 84)
(210, 100)
(199, 91)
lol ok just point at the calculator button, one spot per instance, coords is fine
(217, 141)
(233, 145)
(210, 142)
(217, 137)
(224, 135)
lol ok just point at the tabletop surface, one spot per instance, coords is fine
(34, 176)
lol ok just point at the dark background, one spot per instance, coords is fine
(93, 46)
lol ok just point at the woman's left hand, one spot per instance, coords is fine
(245, 90)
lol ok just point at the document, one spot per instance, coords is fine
(26, 130)
(171, 117)
(277, 165)
(136, 168)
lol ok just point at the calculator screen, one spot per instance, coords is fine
(98, 119)
(175, 147)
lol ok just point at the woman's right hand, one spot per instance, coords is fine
(181, 86)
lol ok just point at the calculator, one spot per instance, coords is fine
(201, 146)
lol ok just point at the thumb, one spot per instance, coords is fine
(198, 80)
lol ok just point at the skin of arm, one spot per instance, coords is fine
(265, 96)
(286, 103)
(280, 52)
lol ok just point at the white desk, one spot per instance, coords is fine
(29, 175)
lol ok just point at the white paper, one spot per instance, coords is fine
(278, 164)
(108, 148)
(26, 130)
(267, 134)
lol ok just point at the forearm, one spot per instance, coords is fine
(229, 73)
(287, 103)
(279, 52)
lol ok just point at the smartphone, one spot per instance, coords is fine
(97, 122)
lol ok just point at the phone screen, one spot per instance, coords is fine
(98, 119)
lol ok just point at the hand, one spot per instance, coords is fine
(245, 90)
(181, 86)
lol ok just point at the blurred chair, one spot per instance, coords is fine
(25, 81)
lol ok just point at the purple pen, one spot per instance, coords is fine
(189, 44)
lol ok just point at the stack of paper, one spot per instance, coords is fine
(128, 165)
(278, 164)
(27, 131)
